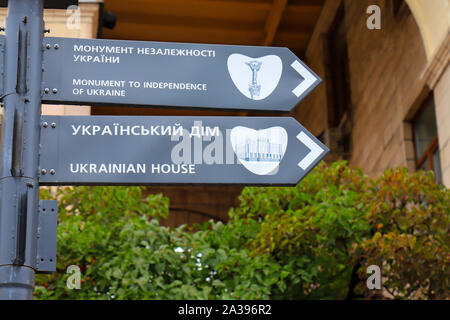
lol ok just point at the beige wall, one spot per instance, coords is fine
(433, 19)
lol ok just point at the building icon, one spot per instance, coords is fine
(260, 149)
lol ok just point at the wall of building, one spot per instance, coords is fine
(385, 70)
(433, 19)
(198, 204)
(391, 73)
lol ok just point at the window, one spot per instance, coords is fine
(426, 139)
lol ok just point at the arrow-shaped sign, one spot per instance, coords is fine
(50, 4)
(97, 71)
(113, 150)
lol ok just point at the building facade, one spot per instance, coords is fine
(385, 102)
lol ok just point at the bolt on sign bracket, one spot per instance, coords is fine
(2, 53)
(46, 236)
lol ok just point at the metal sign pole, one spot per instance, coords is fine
(19, 188)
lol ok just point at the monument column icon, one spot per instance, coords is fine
(254, 88)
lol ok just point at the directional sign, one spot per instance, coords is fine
(100, 150)
(93, 71)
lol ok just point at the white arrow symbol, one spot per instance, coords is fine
(308, 77)
(315, 152)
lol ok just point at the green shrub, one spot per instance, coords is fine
(409, 216)
(312, 241)
(113, 235)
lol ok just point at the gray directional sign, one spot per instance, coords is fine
(93, 71)
(112, 150)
